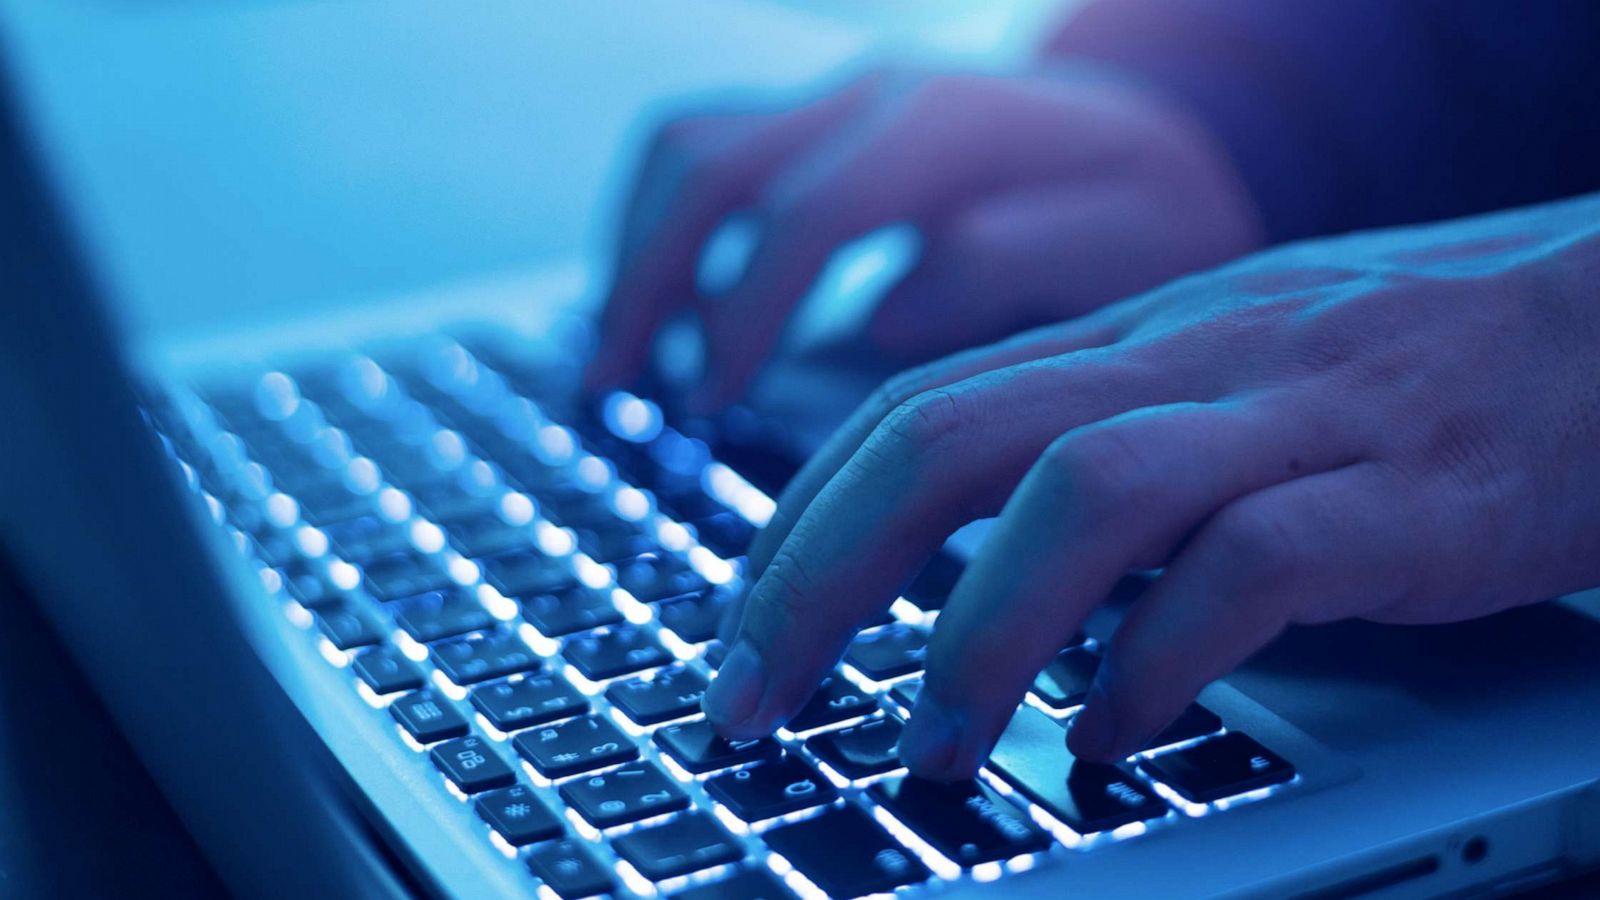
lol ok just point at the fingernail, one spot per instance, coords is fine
(736, 693)
(1093, 734)
(928, 745)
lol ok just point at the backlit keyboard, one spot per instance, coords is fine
(529, 589)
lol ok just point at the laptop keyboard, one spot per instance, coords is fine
(530, 591)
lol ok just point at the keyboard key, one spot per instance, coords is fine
(1066, 680)
(965, 820)
(668, 694)
(568, 868)
(526, 573)
(576, 745)
(871, 748)
(385, 670)
(488, 535)
(480, 657)
(846, 854)
(747, 884)
(427, 718)
(695, 618)
(509, 705)
(1221, 767)
(609, 542)
(930, 590)
(888, 652)
(1086, 797)
(570, 610)
(771, 789)
(725, 534)
(403, 575)
(629, 793)
(835, 701)
(346, 627)
(441, 614)
(365, 538)
(1195, 721)
(650, 577)
(905, 693)
(699, 749)
(621, 650)
(471, 764)
(519, 816)
(689, 843)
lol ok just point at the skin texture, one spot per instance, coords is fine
(1398, 426)
(1039, 197)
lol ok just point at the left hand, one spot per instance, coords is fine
(1400, 426)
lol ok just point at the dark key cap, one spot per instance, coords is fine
(668, 694)
(836, 700)
(932, 586)
(441, 614)
(471, 764)
(525, 573)
(888, 652)
(608, 542)
(965, 820)
(689, 843)
(480, 657)
(306, 584)
(726, 534)
(403, 575)
(427, 718)
(488, 535)
(695, 618)
(367, 537)
(1065, 681)
(385, 670)
(1195, 721)
(617, 651)
(509, 705)
(346, 627)
(626, 794)
(1221, 767)
(573, 746)
(905, 693)
(518, 816)
(771, 789)
(748, 884)
(1086, 797)
(656, 576)
(698, 749)
(569, 869)
(572, 609)
(846, 854)
(870, 748)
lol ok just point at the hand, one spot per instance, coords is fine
(1039, 198)
(1402, 427)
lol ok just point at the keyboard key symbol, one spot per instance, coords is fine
(800, 788)
(517, 810)
(427, 711)
(892, 862)
(470, 759)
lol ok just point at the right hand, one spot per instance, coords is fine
(1039, 197)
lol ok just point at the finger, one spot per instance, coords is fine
(1099, 499)
(1053, 340)
(942, 459)
(1317, 548)
(904, 164)
(1019, 259)
(697, 172)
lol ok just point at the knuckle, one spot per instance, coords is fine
(1097, 467)
(917, 426)
(778, 606)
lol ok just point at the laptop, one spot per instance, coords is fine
(389, 610)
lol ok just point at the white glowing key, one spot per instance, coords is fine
(282, 510)
(277, 396)
(555, 444)
(711, 567)
(631, 503)
(426, 536)
(365, 383)
(673, 536)
(499, 605)
(448, 448)
(344, 576)
(218, 513)
(394, 505)
(593, 472)
(554, 540)
(311, 541)
(362, 476)
(464, 571)
(517, 508)
(631, 418)
(591, 573)
(271, 580)
(745, 498)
